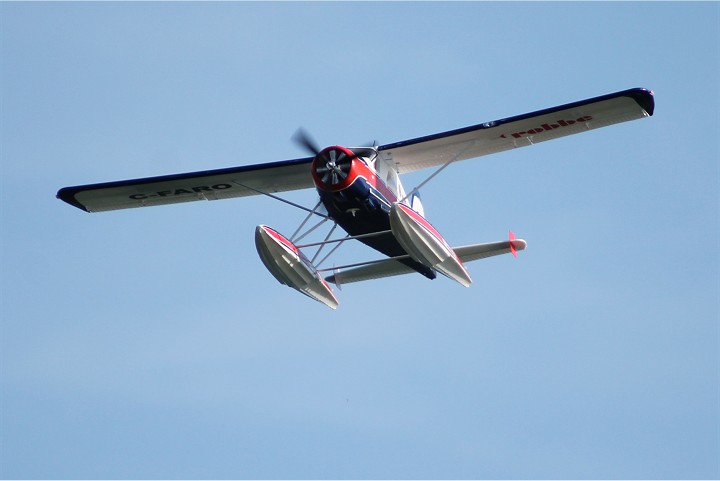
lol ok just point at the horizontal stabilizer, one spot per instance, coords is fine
(394, 267)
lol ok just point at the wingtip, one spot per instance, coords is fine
(67, 195)
(645, 98)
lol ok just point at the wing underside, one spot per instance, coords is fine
(206, 185)
(393, 267)
(519, 131)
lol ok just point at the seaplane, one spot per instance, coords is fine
(360, 191)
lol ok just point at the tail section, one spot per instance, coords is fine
(515, 244)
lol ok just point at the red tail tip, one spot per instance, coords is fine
(511, 238)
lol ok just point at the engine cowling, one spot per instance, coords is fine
(332, 167)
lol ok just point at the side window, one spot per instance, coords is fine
(389, 176)
(391, 180)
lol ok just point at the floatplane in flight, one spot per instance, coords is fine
(360, 191)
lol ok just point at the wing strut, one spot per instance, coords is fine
(366, 263)
(312, 211)
(322, 244)
(339, 242)
(422, 184)
(307, 218)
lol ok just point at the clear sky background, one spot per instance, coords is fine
(153, 343)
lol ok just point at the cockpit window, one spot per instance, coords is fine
(389, 176)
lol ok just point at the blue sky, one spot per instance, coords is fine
(153, 344)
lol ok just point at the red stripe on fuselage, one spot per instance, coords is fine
(358, 169)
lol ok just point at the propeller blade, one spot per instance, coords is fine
(303, 139)
(345, 165)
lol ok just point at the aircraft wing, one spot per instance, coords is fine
(408, 155)
(205, 185)
(519, 131)
(393, 267)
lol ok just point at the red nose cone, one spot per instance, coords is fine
(332, 168)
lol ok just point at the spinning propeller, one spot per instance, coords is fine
(332, 165)
(303, 139)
